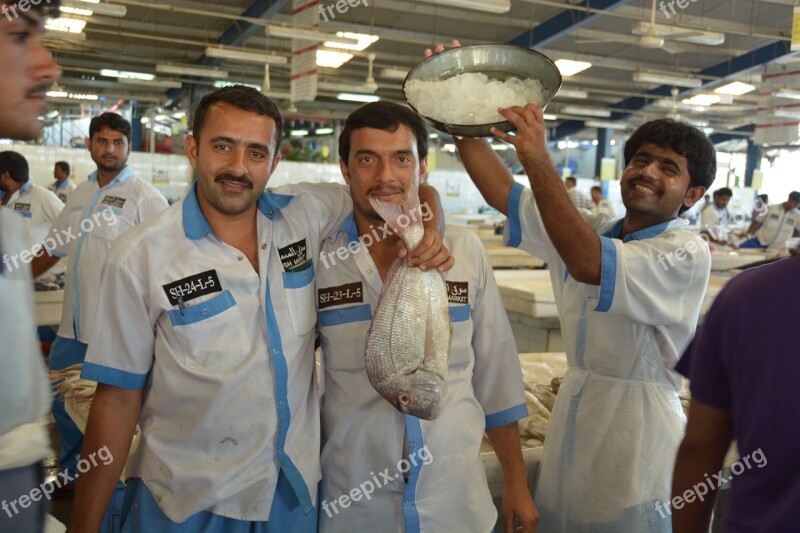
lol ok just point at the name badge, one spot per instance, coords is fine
(114, 201)
(293, 255)
(458, 292)
(25, 208)
(188, 289)
(348, 293)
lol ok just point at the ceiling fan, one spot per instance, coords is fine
(658, 36)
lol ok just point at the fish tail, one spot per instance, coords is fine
(403, 216)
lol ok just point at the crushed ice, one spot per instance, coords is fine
(471, 98)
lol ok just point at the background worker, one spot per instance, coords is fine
(715, 220)
(63, 186)
(577, 198)
(600, 205)
(28, 70)
(773, 226)
(383, 155)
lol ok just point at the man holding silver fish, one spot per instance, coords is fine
(617, 421)
(383, 150)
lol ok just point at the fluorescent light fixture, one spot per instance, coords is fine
(794, 94)
(363, 41)
(586, 111)
(299, 133)
(604, 124)
(328, 59)
(433, 136)
(185, 70)
(156, 84)
(736, 88)
(708, 38)
(88, 9)
(641, 76)
(72, 96)
(786, 112)
(324, 131)
(394, 73)
(222, 84)
(124, 74)
(703, 100)
(66, 25)
(550, 117)
(489, 6)
(572, 93)
(289, 32)
(352, 97)
(449, 147)
(235, 54)
(568, 67)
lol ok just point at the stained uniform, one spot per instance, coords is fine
(230, 420)
(617, 420)
(364, 435)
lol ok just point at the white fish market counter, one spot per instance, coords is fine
(531, 307)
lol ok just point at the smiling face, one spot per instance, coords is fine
(28, 71)
(383, 165)
(655, 184)
(233, 158)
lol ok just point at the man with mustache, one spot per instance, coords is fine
(28, 71)
(617, 421)
(110, 202)
(205, 337)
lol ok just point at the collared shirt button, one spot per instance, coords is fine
(369, 271)
(263, 246)
(271, 212)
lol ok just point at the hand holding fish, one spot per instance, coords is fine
(430, 254)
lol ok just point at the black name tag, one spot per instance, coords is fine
(187, 289)
(25, 208)
(349, 293)
(293, 255)
(458, 292)
(114, 201)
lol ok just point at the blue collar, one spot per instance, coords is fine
(122, 177)
(646, 233)
(195, 225)
(25, 189)
(56, 186)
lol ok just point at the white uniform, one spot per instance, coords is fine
(24, 388)
(363, 434)
(604, 207)
(617, 421)
(85, 230)
(776, 226)
(39, 207)
(717, 221)
(579, 200)
(64, 190)
(226, 354)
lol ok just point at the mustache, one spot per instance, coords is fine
(238, 179)
(644, 181)
(382, 189)
(42, 88)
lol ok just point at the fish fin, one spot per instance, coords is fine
(402, 216)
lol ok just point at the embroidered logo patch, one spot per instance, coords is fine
(348, 293)
(293, 255)
(187, 289)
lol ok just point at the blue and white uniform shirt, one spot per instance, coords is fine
(62, 191)
(617, 417)
(38, 207)
(85, 230)
(224, 353)
(776, 226)
(364, 435)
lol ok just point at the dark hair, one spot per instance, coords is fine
(794, 196)
(683, 139)
(16, 165)
(571, 180)
(724, 191)
(241, 97)
(386, 116)
(597, 188)
(64, 166)
(111, 121)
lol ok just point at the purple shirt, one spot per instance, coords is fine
(746, 359)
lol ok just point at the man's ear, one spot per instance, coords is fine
(345, 171)
(190, 147)
(693, 195)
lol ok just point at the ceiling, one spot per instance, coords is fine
(598, 31)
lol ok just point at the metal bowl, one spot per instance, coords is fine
(498, 61)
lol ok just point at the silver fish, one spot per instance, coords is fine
(408, 346)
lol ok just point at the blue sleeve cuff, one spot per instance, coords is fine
(514, 223)
(112, 376)
(503, 418)
(608, 276)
